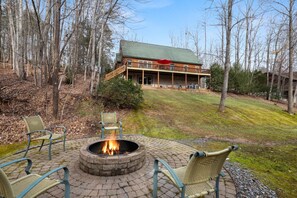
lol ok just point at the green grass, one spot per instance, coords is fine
(8, 149)
(266, 134)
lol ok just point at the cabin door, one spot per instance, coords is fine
(148, 80)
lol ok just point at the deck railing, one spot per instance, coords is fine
(148, 65)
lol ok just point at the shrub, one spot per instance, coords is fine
(120, 93)
(217, 77)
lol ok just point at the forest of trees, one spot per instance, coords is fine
(50, 37)
(252, 35)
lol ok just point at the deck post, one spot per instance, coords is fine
(142, 77)
(158, 79)
(126, 72)
(172, 79)
(186, 80)
(198, 81)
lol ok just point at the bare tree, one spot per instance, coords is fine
(56, 56)
(227, 63)
(287, 11)
(291, 50)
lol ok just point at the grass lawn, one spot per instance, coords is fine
(266, 134)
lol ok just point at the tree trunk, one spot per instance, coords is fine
(246, 41)
(227, 59)
(56, 55)
(12, 36)
(291, 50)
(1, 31)
(93, 53)
(268, 63)
(20, 44)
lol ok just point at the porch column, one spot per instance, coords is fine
(142, 77)
(126, 73)
(198, 81)
(158, 79)
(172, 79)
(186, 80)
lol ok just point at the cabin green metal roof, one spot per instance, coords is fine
(140, 50)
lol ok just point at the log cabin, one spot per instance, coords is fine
(159, 66)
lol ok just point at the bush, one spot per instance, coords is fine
(120, 93)
(217, 77)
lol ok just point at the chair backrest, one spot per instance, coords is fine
(204, 166)
(34, 123)
(5, 187)
(109, 118)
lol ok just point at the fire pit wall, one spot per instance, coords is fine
(111, 165)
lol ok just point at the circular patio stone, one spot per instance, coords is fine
(135, 184)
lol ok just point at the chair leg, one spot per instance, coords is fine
(41, 145)
(155, 179)
(183, 192)
(217, 186)
(155, 185)
(50, 149)
(121, 133)
(64, 142)
(102, 133)
(67, 190)
(28, 146)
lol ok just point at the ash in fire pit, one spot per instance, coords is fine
(111, 157)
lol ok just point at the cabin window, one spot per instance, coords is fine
(148, 80)
(186, 67)
(148, 64)
(141, 63)
(129, 62)
(171, 66)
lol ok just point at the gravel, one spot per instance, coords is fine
(247, 186)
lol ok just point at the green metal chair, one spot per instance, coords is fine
(30, 185)
(109, 122)
(37, 131)
(193, 180)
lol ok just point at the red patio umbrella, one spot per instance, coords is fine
(164, 61)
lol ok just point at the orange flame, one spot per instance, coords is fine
(111, 146)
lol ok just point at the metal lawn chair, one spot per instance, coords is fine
(194, 179)
(30, 185)
(37, 131)
(109, 122)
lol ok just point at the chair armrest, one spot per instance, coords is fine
(41, 131)
(62, 127)
(234, 147)
(28, 167)
(171, 171)
(102, 123)
(30, 187)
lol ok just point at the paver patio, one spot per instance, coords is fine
(136, 184)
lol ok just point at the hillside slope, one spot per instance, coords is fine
(264, 131)
(77, 111)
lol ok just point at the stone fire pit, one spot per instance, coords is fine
(130, 158)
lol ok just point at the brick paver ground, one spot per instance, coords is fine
(136, 184)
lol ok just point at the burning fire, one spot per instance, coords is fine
(111, 145)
